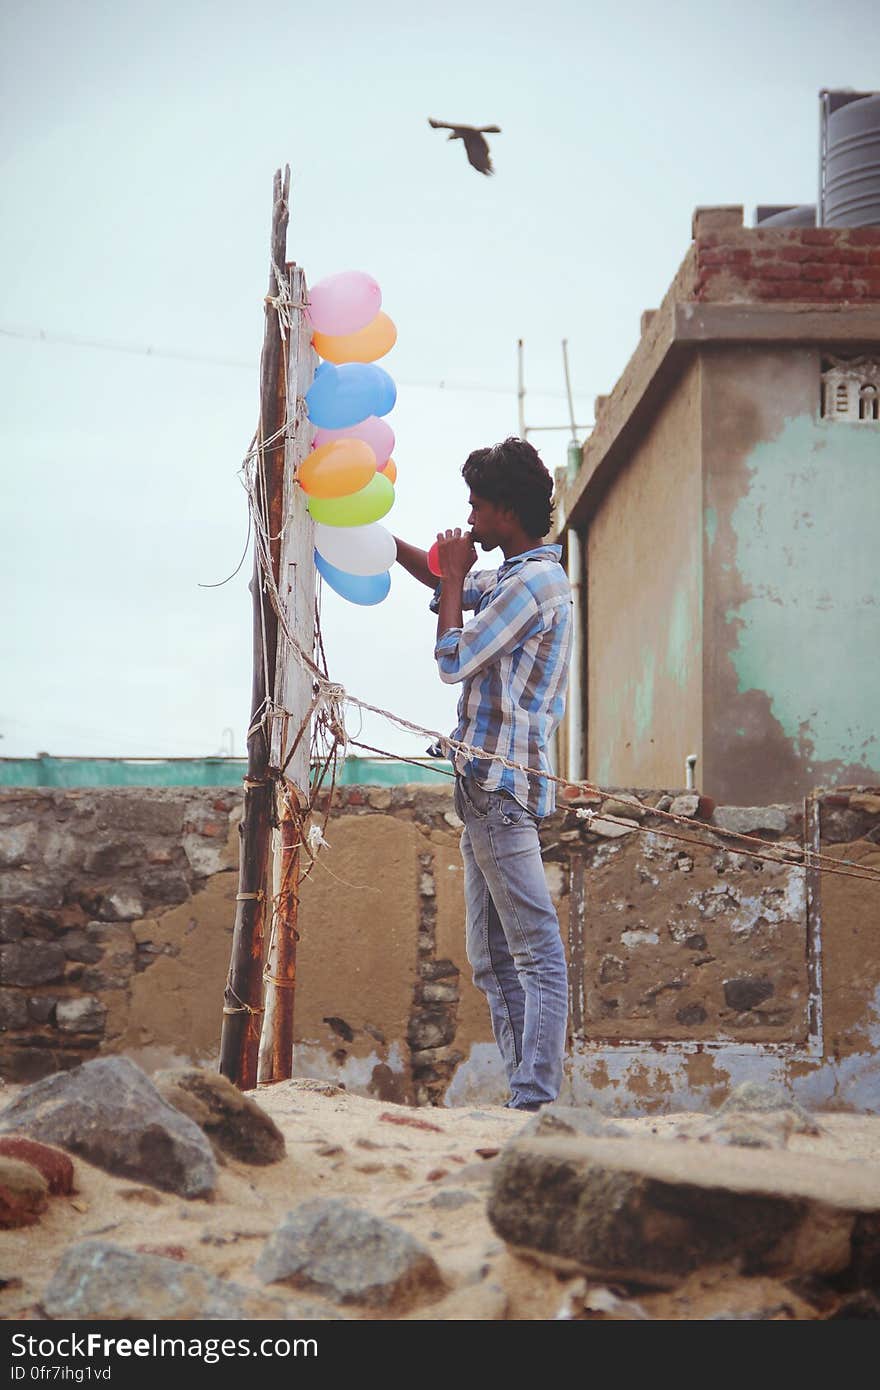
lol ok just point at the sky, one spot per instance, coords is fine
(138, 149)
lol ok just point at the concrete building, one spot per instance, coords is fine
(727, 512)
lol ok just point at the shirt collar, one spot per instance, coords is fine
(540, 552)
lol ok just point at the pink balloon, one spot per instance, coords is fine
(344, 303)
(372, 431)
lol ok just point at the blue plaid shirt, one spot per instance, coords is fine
(512, 658)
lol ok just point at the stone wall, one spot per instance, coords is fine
(692, 965)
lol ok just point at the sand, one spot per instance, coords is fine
(427, 1170)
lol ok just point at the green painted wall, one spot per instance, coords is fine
(196, 772)
(808, 633)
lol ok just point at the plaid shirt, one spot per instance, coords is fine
(513, 660)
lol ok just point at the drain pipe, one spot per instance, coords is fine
(690, 763)
(575, 707)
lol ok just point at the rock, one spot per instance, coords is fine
(451, 1198)
(558, 1119)
(24, 1193)
(54, 1165)
(348, 1255)
(865, 801)
(653, 1211)
(764, 1098)
(750, 1131)
(453, 820)
(440, 993)
(690, 1015)
(233, 1122)
(110, 1113)
(32, 962)
(686, 805)
(41, 1007)
(746, 993)
(617, 806)
(84, 1015)
(98, 1280)
(13, 1009)
(611, 829)
(745, 820)
(475, 1303)
(124, 905)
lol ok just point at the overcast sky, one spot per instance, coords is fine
(139, 145)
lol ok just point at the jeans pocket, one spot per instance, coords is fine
(469, 799)
(511, 812)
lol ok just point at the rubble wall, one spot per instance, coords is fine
(695, 962)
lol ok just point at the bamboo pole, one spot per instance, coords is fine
(243, 998)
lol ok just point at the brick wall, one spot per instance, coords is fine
(808, 265)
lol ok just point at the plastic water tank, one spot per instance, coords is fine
(852, 164)
(788, 215)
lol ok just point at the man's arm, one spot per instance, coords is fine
(415, 561)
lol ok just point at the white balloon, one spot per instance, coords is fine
(356, 549)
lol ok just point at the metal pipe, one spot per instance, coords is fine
(575, 707)
(574, 427)
(690, 763)
(521, 390)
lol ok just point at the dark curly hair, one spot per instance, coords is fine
(512, 476)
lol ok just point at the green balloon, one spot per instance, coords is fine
(358, 508)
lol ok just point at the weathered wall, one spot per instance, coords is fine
(643, 604)
(791, 666)
(692, 965)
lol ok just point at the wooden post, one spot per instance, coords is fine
(243, 999)
(294, 691)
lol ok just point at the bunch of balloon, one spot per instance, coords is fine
(349, 476)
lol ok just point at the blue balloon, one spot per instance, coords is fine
(365, 589)
(345, 395)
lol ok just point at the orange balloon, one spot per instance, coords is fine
(367, 345)
(337, 469)
(389, 469)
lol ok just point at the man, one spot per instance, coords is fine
(512, 659)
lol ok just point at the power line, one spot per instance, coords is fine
(52, 337)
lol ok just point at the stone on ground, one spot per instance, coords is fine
(110, 1113)
(54, 1165)
(348, 1255)
(234, 1123)
(655, 1210)
(24, 1193)
(765, 1098)
(568, 1119)
(96, 1279)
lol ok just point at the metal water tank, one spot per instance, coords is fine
(850, 176)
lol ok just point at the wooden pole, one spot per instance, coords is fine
(243, 999)
(284, 964)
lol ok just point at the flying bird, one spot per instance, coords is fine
(475, 146)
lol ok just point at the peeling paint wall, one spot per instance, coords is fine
(792, 657)
(691, 966)
(643, 600)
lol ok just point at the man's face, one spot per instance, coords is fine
(489, 523)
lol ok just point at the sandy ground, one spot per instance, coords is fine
(402, 1164)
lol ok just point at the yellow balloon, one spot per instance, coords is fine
(367, 345)
(389, 470)
(337, 469)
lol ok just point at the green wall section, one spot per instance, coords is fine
(808, 630)
(197, 772)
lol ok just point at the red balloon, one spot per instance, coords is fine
(433, 561)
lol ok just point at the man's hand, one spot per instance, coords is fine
(456, 553)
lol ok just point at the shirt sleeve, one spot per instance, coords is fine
(509, 619)
(476, 584)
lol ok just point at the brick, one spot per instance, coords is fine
(865, 236)
(818, 236)
(782, 271)
(55, 1166)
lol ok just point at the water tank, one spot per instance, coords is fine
(786, 215)
(850, 181)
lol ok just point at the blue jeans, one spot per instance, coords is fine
(513, 941)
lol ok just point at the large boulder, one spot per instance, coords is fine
(654, 1210)
(110, 1113)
